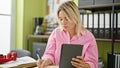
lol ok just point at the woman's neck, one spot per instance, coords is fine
(72, 33)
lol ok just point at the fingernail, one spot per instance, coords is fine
(73, 58)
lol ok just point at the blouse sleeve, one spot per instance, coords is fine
(50, 48)
(91, 54)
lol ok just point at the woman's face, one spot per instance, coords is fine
(65, 22)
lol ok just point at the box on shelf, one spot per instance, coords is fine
(117, 1)
(105, 1)
(85, 2)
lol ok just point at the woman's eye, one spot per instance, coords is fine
(66, 19)
(60, 19)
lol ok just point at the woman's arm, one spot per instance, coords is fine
(50, 48)
(91, 54)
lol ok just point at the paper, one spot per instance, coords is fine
(19, 61)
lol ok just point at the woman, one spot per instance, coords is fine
(70, 31)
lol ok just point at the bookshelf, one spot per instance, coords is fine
(113, 8)
(100, 7)
(104, 8)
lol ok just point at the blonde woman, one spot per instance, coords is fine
(70, 31)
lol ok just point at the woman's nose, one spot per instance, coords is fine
(63, 21)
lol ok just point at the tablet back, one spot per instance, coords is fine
(68, 51)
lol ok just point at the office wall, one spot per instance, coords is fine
(104, 48)
(26, 10)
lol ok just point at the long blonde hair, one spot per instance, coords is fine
(71, 9)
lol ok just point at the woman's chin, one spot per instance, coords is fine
(65, 29)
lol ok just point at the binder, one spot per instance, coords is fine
(115, 25)
(113, 60)
(90, 23)
(118, 25)
(117, 60)
(101, 28)
(107, 25)
(82, 18)
(95, 25)
(85, 20)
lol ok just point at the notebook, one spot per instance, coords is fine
(68, 51)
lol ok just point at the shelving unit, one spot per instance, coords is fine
(104, 8)
(100, 7)
(113, 8)
(35, 37)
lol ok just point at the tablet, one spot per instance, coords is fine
(68, 51)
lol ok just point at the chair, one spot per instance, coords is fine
(21, 53)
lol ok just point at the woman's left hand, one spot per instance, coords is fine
(79, 62)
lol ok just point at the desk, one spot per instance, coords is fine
(35, 36)
(49, 67)
(22, 62)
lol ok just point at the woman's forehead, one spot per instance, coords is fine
(62, 13)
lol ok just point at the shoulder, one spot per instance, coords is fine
(87, 34)
(56, 31)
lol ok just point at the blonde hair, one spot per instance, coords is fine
(71, 9)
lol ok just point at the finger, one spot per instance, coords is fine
(80, 57)
(39, 63)
(76, 65)
(77, 60)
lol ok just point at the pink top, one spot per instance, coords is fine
(58, 37)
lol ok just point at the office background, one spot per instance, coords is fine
(26, 10)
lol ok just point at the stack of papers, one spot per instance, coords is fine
(20, 62)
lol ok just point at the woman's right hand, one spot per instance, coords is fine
(39, 63)
(43, 63)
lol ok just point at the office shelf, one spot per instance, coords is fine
(35, 36)
(101, 7)
(110, 7)
(106, 40)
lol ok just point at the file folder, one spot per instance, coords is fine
(118, 26)
(95, 25)
(101, 28)
(85, 20)
(113, 60)
(90, 23)
(107, 25)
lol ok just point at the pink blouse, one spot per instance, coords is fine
(58, 37)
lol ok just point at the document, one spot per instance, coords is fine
(20, 62)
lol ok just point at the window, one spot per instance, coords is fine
(5, 25)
